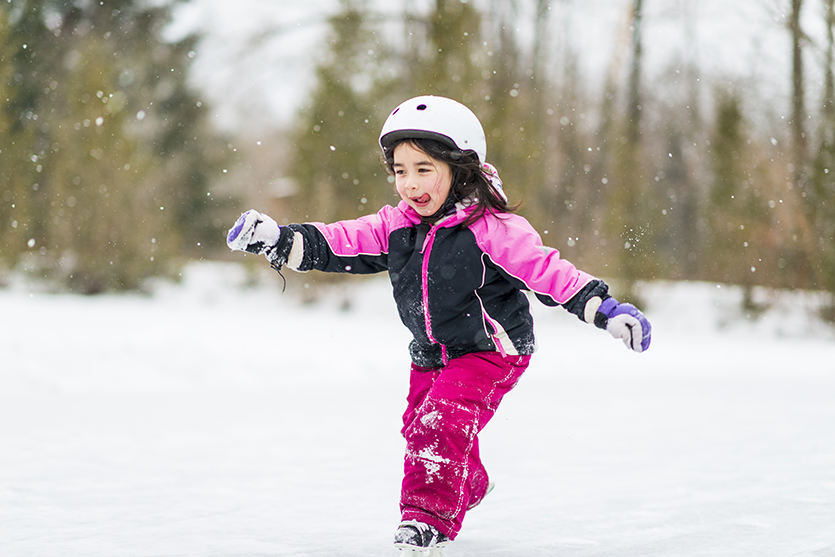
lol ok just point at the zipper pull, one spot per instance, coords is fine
(428, 238)
(420, 239)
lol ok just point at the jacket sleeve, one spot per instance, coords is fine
(516, 249)
(584, 303)
(354, 246)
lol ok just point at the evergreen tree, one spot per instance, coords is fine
(110, 142)
(822, 187)
(15, 171)
(336, 165)
(628, 195)
(451, 68)
(740, 222)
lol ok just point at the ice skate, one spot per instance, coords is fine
(416, 539)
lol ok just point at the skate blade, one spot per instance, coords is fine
(412, 551)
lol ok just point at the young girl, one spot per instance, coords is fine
(459, 262)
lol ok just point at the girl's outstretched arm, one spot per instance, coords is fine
(357, 246)
(516, 249)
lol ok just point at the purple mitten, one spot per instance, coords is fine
(626, 322)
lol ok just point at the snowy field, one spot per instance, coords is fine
(219, 417)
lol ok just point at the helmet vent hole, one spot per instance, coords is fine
(396, 110)
(421, 107)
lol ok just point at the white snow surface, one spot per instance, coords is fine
(220, 417)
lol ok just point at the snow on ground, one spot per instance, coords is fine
(219, 417)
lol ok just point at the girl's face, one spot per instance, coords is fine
(421, 181)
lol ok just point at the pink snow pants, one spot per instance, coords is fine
(447, 408)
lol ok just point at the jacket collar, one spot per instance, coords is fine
(462, 211)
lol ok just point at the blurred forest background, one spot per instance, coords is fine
(111, 172)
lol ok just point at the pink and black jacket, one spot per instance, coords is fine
(458, 289)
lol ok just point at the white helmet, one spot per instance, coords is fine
(439, 118)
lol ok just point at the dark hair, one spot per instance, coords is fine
(468, 179)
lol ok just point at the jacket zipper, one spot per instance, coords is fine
(425, 250)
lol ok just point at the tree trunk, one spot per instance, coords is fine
(634, 102)
(798, 94)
